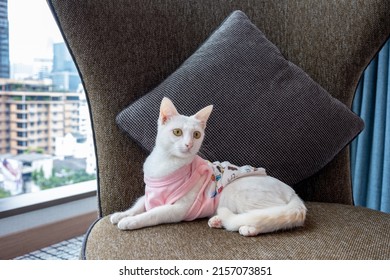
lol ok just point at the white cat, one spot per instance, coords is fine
(181, 186)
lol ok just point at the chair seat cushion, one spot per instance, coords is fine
(331, 231)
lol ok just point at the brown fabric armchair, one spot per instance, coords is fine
(124, 48)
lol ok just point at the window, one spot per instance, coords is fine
(21, 107)
(22, 116)
(22, 125)
(38, 80)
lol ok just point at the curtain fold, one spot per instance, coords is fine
(370, 151)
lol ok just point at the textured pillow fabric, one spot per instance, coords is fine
(267, 111)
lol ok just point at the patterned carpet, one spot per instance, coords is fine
(65, 250)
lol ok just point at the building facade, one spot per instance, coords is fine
(64, 73)
(32, 117)
(4, 40)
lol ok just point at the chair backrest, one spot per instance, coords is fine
(124, 48)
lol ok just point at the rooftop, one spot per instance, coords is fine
(30, 157)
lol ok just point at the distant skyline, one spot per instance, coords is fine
(32, 31)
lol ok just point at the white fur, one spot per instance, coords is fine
(250, 205)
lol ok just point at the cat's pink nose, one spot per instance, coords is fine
(189, 145)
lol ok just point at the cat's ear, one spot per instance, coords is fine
(203, 115)
(167, 110)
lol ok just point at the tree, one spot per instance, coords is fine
(60, 178)
(4, 193)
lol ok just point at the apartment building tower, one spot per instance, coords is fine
(31, 116)
(4, 40)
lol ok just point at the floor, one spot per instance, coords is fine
(65, 250)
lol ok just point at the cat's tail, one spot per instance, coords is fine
(258, 221)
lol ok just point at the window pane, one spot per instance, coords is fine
(45, 132)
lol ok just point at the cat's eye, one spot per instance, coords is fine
(197, 134)
(177, 132)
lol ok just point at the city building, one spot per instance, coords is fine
(42, 68)
(64, 73)
(32, 117)
(4, 40)
(16, 171)
(21, 71)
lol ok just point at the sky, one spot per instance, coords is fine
(32, 30)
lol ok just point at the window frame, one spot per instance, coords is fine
(20, 204)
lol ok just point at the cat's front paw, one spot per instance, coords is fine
(116, 217)
(129, 223)
(215, 222)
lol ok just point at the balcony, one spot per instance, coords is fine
(18, 118)
(57, 109)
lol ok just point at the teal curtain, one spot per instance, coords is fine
(370, 151)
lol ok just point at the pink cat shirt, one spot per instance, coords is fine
(170, 188)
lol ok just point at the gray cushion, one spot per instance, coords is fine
(267, 111)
